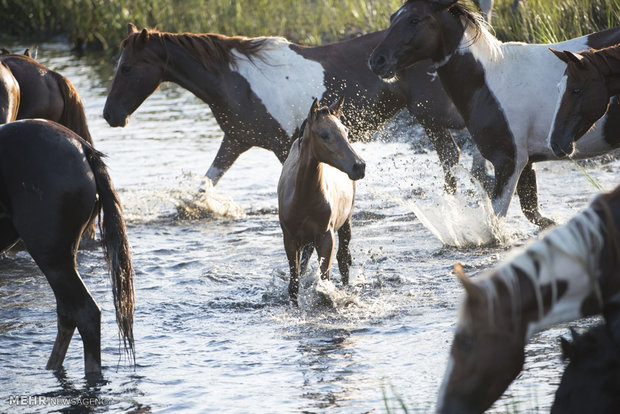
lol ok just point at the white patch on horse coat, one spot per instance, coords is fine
(561, 91)
(569, 253)
(284, 81)
(523, 78)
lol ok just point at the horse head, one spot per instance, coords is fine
(486, 354)
(328, 142)
(137, 76)
(420, 29)
(582, 100)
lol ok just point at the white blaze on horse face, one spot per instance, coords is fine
(284, 81)
(561, 91)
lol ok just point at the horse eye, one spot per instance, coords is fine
(325, 137)
(414, 20)
(125, 69)
(577, 91)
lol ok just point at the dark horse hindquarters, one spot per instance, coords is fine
(49, 182)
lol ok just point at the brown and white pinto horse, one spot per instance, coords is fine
(591, 79)
(258, 89)
(505, 92)
(316, 192)
(573, 272)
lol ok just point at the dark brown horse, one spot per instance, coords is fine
(43, 93)
(591, 380)
(258, 89)
(591, 79)
(573, 272)
(316, 192)
(46, 94)
(52, 185)
(506, 92)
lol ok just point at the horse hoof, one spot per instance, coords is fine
(544, 222)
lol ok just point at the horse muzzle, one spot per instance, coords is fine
(358, 171)
(114, 120)
(382, 65)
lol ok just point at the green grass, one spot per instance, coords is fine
(102, 23)
(546, 21)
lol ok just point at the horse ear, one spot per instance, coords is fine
(144, 35)
(473, 291)
(313, 110)
(336, 107)
(574, 57)
(559, 54)
(131, 28)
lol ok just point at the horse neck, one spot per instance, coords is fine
(607, 62)
(553, 281)
(468, 57)
(309, 173)
(180, 67)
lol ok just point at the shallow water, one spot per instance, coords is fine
(214, 330)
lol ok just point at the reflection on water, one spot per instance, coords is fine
(214, 329)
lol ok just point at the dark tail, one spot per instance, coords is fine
(115, 247)
(73, 116)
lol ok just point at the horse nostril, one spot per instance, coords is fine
(359, 167)
(106, 115)
(379, 61)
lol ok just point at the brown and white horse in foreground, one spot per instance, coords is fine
(316, 192)
(573, 272)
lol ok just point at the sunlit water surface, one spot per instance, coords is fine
(214, 329)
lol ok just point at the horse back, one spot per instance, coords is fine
(41, 96)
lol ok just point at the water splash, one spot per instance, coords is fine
(206, 202)
(314, 292)
(464, 219)
(188, 197)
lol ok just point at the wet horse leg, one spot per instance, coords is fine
(227, 154)
(325, 250)
(447, 150)
(528, 197)
(292, 254)
(75, 307)
(305, 256)
(507, 172)
(344, 255)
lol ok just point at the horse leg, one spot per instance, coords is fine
(227, 154)
(75, 306)
(344, 254)
(479, 171)
(325, 250)
(447, 150)
(292, 254)
(305, 257)
(507, 172)
(528, 197)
